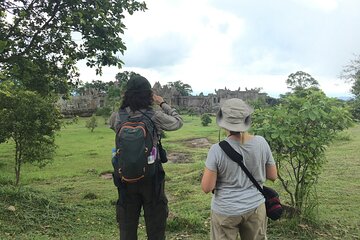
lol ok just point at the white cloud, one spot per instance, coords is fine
(211, 44)
(323, 5)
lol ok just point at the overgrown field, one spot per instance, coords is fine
(72, 199)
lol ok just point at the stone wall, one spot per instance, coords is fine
(86, 104)
(209, 103)
(83, 105)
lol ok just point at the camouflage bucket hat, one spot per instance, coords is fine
(234, 115)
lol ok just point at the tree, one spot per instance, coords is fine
(298, 131)
(40, 44)
(123, 77)
(38, 39)
(191, 112)
(30, 120)
(351, 73)
(115, 92)
(301, 80)
(105, 112)
(91, 123)
(183, 88)
(355, 103)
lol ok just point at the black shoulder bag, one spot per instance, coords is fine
(274, 208)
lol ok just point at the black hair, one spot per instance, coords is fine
(136, 100)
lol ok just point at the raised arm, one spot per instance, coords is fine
(168, 119)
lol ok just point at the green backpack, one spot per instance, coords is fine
(136, 153)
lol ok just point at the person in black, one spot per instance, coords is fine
(150, 195)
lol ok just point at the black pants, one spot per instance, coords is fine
(149, 196)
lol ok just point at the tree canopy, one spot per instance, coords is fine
(184, 89)
(41, 41)
(301, 80)
(351, 73)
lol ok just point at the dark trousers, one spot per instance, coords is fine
(149, 196)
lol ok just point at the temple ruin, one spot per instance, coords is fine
(210, 103)
(86, 104)
(83, 105)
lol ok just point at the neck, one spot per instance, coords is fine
(245, 136)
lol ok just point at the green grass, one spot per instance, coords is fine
(68, 199)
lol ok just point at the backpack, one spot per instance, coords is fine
(136, 153)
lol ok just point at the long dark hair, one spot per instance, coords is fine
(136, 100)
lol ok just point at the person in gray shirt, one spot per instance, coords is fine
(237, 206)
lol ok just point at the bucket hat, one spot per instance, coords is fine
(138, 83)
(234, 115)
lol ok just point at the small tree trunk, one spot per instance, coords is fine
(17, 163)
(17, 173)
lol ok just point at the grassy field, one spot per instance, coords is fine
(69, 199)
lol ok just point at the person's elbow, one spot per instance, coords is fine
(206, 188)
(208, 181)
(271, 172)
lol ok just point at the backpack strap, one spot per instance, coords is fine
(124, 115)
(155, 130)
(238, 158)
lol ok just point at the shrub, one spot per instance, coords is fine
(205, 119)
(91, 123)
(298, 131)
(104, 111)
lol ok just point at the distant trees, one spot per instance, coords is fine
(115, 92)
(351, 73)
(298, 131)
(183, 88)
(97, 85)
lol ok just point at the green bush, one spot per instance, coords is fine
(205, 119)
(91, 123)
(104, 111)
(298, 131)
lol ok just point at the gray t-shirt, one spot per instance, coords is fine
(235, 194)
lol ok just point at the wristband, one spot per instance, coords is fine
(162, 103)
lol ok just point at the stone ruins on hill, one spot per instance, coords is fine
(87, 103)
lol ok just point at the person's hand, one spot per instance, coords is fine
(157, 99)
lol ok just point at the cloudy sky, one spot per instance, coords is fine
(212, 44)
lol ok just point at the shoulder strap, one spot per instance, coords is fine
(154, 125)
(238, 158)
(145, 115)
(124, 114)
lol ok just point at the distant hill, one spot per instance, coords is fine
(345, 98)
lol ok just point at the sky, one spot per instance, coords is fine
(213, 44)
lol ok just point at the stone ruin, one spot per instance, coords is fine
(210, 103)
(86, 104)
